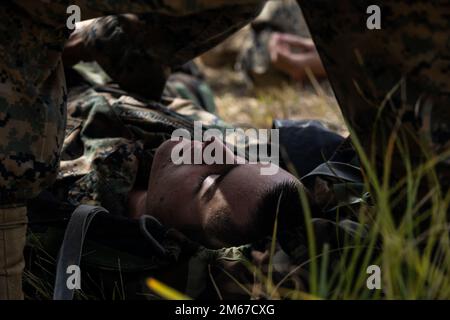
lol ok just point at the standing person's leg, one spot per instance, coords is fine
(389, 81)
(32, 117)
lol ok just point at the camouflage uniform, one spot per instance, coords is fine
(33, 93)
(389, 80)
(106, 159)
(109, 145)
(110, 140)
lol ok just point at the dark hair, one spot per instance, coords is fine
(283, 198)
(281, 202)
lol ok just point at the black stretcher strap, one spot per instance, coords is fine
(158, 249)
(72, 248)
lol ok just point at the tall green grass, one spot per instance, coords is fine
(407, 227)
(408, 236)
(414, 260)
(408, 224)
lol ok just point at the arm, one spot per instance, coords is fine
(293, 55)
(53, 10)
(138, 52)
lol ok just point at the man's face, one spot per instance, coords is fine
(185, 196)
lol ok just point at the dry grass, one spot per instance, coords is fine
(241, 105)
(414, 262)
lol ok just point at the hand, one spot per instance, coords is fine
(293, 55)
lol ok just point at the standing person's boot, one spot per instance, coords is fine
(13, 228)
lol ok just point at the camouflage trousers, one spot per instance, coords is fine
(392, 84)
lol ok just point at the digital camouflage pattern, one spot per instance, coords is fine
(32, 88)
(407, 62)
(110, 142)
(48, 11)
(33, 91)
(32, 104)
(108, 150)
(139, 51)
(188, 83)
(389, 80)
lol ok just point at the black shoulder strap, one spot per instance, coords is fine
(72, 248)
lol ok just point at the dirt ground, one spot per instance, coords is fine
(243, 104)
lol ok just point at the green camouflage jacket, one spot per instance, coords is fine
(110, 142)
(164, 34)
(108, 148)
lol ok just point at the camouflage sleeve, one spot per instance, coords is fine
(172, 7)
(32, 84)
(53, 10)
(389, 81)
(139, 51)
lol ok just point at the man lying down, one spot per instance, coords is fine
(117, 154)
